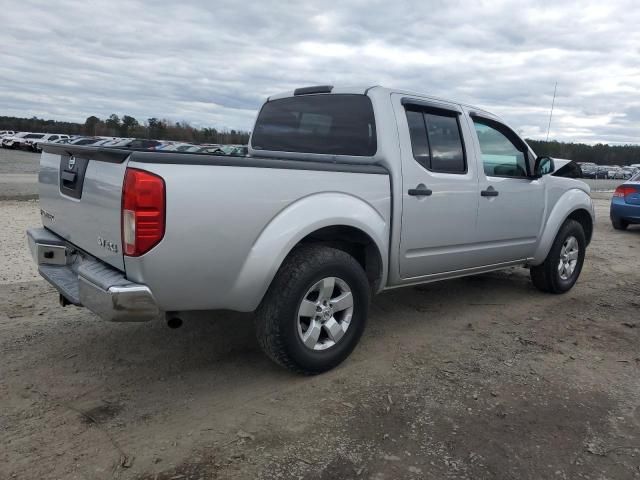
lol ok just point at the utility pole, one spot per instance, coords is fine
(551, 113)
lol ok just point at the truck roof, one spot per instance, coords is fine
(363, 90)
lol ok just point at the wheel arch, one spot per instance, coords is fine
(574, 204)
(583, 217)
(335, 219)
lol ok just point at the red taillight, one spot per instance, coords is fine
(143, 211)
(624, 190)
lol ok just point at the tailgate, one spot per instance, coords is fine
(80, 197)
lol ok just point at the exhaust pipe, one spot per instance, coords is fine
(174, 322)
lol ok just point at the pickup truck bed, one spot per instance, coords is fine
(218, 209)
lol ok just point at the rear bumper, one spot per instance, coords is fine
(624, 211)
(85, 281)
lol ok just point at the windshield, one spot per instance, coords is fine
(334, 124)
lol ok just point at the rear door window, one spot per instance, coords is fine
(334, 124)
(436, 140)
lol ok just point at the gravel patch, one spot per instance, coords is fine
(15, 260)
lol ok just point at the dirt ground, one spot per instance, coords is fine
(482, 377)
(18, 174)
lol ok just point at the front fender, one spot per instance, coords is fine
(291, 225)
(569, 202)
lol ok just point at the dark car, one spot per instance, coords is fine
(589, 172)
(625, 204)
(602, 172)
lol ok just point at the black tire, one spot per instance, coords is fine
(546, 276)
(277, 315)
(619, 224)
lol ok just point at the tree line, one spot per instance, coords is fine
(600, 154)
(127, 126)
(162, 129)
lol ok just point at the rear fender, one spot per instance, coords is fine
(291, 225)
(569, 202)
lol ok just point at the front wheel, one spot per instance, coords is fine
(562, 267)
(315, 310)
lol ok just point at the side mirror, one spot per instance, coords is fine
(543, 166)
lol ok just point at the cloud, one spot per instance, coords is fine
(212, 63)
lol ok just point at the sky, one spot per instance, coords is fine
(213, 62)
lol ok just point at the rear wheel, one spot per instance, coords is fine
(619, 224)
(315, 310)
(562, 267)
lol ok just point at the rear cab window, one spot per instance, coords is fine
(330, 124)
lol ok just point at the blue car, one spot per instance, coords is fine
(625, 204)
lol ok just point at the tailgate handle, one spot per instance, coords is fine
(68, 177)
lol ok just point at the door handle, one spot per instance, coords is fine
(489, 192)
(420, 191)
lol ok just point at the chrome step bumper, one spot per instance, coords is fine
(86, 281)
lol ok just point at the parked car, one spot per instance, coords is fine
(6, 133)
(211, 149)
(7, 140)
(347, 192)
(19, 140)
(612, 172)
(86, 140)
(232, 150)
(133, 143)
(625, 204)
(34, 143)
(64, 140)
(602, 172)
(236, 150)
(180, 147)
(628, 172)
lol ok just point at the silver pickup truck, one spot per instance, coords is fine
(346, 192)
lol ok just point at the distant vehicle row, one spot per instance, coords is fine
(33, 141)
(612, 172)
(28, 140)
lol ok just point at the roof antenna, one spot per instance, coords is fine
(551, 114)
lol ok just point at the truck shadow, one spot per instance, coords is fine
(216, 356)
(219, 342)
(148, 382)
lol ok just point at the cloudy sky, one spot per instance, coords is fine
(212, 62)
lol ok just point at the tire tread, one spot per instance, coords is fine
(269, 332)
(544, 276)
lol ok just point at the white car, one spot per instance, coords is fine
(180, 147)
(613, 172)
(34, 143)
(11, 141)
(7, 133)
